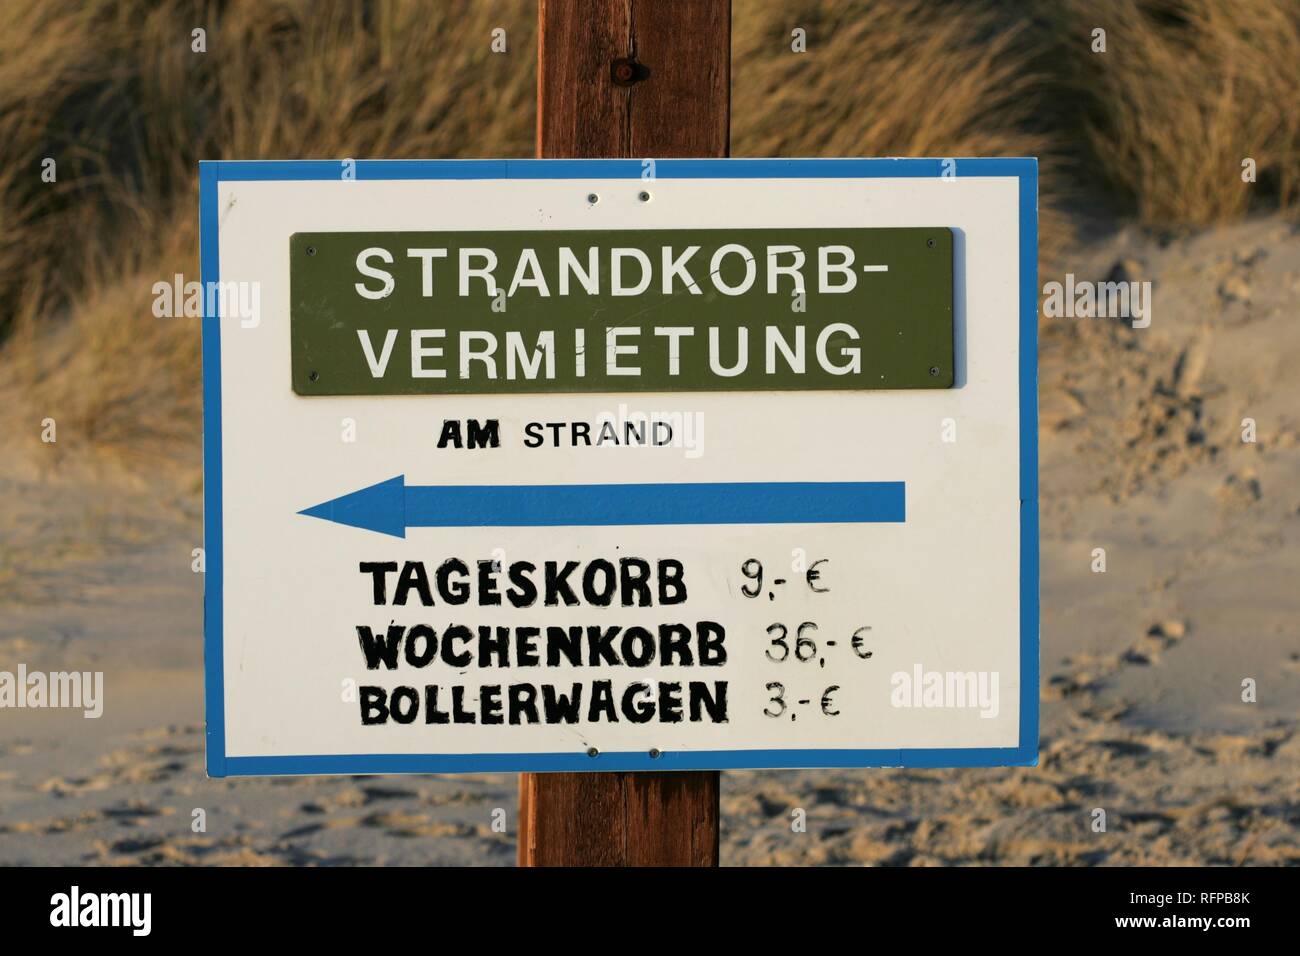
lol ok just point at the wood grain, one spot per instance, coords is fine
(618, 819)
(682, 107)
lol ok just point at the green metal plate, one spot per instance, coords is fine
(877, 315)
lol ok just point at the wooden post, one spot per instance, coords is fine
(636, 79)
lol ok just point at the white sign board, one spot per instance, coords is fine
(440, 546)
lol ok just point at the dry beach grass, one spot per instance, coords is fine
(1186, 91)
(112, 91)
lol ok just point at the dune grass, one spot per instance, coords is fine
(113, 92)
(904, 78)
(1186, 91)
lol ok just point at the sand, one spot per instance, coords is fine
(1142, 455)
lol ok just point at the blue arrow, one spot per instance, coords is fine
(391, 506)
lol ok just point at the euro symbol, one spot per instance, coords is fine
(813, 576)
(826, 701)
(860, 643)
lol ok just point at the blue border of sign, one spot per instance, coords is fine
(1025, 170)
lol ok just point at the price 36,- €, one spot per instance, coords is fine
(805, 648)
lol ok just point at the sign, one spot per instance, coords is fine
(661, 310)
(540, 465)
